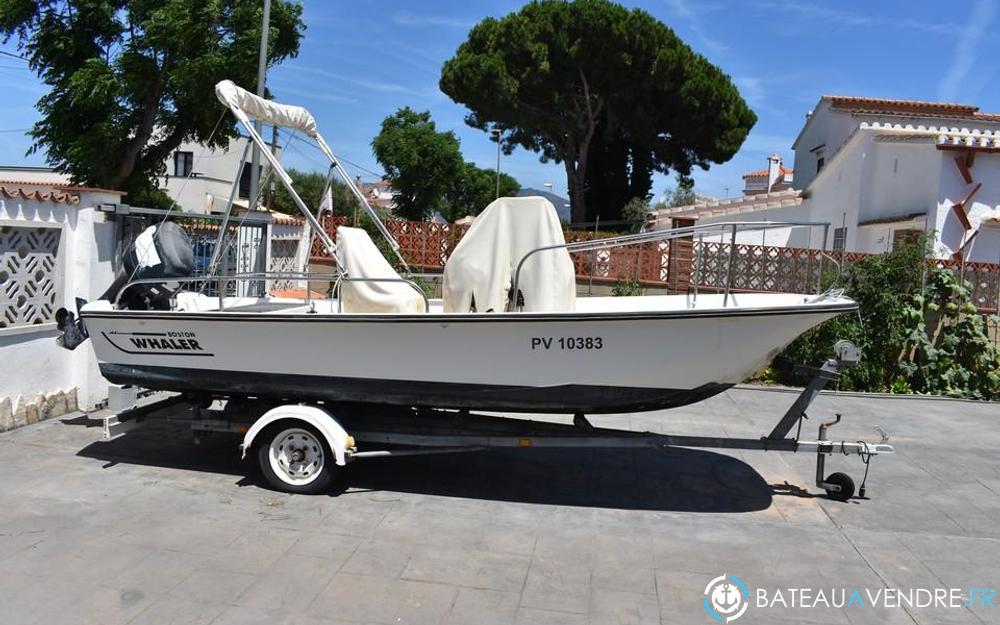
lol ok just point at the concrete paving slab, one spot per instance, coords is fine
(149, 529)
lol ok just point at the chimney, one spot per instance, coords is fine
(773, 171)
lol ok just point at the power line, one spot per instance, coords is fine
(13, 56)
(16, 130)
(351, 163)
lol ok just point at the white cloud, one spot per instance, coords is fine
(752, 89)
(692, 16)
(965, 50)
(830, 15)
(408, 19)
(364, 83)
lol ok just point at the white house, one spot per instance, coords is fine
(200, 179)
(881, 171)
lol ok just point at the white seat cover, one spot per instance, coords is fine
(483, 263)
(359, 258)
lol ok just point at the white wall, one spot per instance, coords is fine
(901, 179)
(877, 238)
(777, 236)
(985, 205)
(33, 362)
(986, 247)
(35, 175)
(827, 128)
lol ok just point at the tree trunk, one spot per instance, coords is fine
(142, 135)
(576, 185)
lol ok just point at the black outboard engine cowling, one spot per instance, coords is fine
(160, 251)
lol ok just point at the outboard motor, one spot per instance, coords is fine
(160, 251)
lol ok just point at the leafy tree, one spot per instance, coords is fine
(619, 174)
(636, 212)
(421, 163)
(551, 74)
(474, 189)
(682, 194)
(129, 80)
(310, 185)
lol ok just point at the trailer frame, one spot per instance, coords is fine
(422, 431)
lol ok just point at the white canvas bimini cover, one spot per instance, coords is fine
(256, 107)
(484, 261)
(359, 258)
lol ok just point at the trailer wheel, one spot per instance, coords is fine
(294, 458)
(845, 483)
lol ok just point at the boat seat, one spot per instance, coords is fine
(358, 257)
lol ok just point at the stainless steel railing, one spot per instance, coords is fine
(269, 275)
(722, 228)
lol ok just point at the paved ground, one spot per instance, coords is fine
(147, 529)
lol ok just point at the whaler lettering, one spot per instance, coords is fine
(167, 343)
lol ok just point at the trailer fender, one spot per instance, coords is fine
(336, 436)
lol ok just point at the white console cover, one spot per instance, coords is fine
(483, 263)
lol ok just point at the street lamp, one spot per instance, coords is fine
(496, 132)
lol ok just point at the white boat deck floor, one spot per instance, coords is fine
(599, 304)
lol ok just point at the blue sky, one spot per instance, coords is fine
(361, 60)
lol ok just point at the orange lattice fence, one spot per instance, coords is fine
(676, 265)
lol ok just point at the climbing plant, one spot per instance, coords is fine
(917, 327)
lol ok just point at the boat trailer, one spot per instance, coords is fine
(294, 443)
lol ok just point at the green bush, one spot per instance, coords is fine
(917, 327)
(626, 287)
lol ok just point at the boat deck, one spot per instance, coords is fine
(193, 302)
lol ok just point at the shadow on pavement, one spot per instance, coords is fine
(677, 479)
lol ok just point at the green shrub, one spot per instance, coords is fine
(626, 287)
(917, 328)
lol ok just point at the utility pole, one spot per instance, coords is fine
(261, 71)
(496, 133)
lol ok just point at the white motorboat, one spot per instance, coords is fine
(378, 341)
(612, 354)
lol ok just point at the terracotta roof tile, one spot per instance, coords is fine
(763, 172)
(733, 206)
(917, 107)
(58, 197)
(286, 220)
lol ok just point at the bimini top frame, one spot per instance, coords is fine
(246, 107)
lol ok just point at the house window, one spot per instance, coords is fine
(245, 179)
(840, 239)
(904, 237)
(183, 163)
(29, 275)
(820, 161)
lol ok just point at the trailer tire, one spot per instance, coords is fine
(294, 457)
(845, 483)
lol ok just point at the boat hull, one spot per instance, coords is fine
(588, 362)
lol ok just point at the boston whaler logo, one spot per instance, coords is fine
(178, 343)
